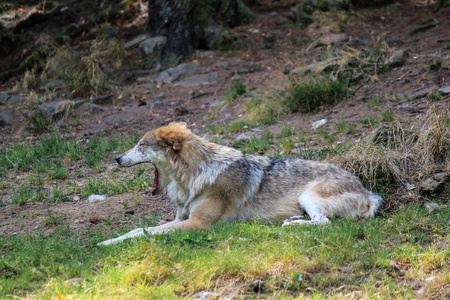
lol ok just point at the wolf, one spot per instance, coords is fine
(209, 183)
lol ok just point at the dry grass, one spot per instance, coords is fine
(393, 159)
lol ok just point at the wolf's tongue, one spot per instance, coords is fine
(155, 182)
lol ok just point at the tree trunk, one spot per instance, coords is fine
(170, 18)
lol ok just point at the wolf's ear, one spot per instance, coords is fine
(171, 139)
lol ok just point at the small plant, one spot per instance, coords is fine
(434, 96)
(435, 64)
(59, 172)
(254, 145)
(387, 116)
(222, 129)
(306, 95)
(238, 88)
(287, 132)
(58, 194)
(52, 220)
(21, 194)
(340, 127)
(375, 103)
(370, 121)
(396, 99)
(242, 124)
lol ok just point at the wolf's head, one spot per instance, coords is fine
(158, 147)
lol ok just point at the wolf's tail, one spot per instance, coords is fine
(375, 202)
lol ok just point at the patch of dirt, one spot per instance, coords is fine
(128, 209)
(141, 106)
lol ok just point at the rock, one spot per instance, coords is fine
(270, 40)
(55, 84)
(172, 74)
(242, 137)
(96, 219)
(436, 184)
(96, 198)
(16, 100)
(149, 46)
(222, 64)
(93, 108)
(76, 198)
(431, 206)
(419, 94)
(421, 29)
(6, 118)
(299, 145)
(55, 111)
(103, 100)
(135, 42)
(315, 125)
(204, 295)
(332, 38)
(4, 97)
(445, 90)
(196, 80)
(399, 58)
(205, 53)
(322, 66)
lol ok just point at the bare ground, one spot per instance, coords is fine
(262, 70)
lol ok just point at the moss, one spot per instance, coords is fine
(229, 41)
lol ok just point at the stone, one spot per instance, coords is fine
(149, 46)
(103, 100)
(435, 184)
(55, 111)
(4, 97)
(204, 295)
(205, 53)
(242, 137)
(445, 90)
(135, 42)
(6, 118)
(93, 108)
(397, 59)
(172, 74)
(431, 206)
(202, 79)
(55, 84)
(332, 38)
(95, 198)
(322, 66)
(319, 123)
(16, 100)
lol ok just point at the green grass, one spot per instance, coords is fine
(383, 258)
(239, 125)
(40, 156)
(255, 145)
(237, 89)
(306, 95)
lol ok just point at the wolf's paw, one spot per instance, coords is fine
(294, 220)
(107, 242)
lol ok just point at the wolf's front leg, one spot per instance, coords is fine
(139, 232)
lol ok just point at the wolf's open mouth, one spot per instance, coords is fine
(155, 182)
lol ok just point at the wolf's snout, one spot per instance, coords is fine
(118, 157)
